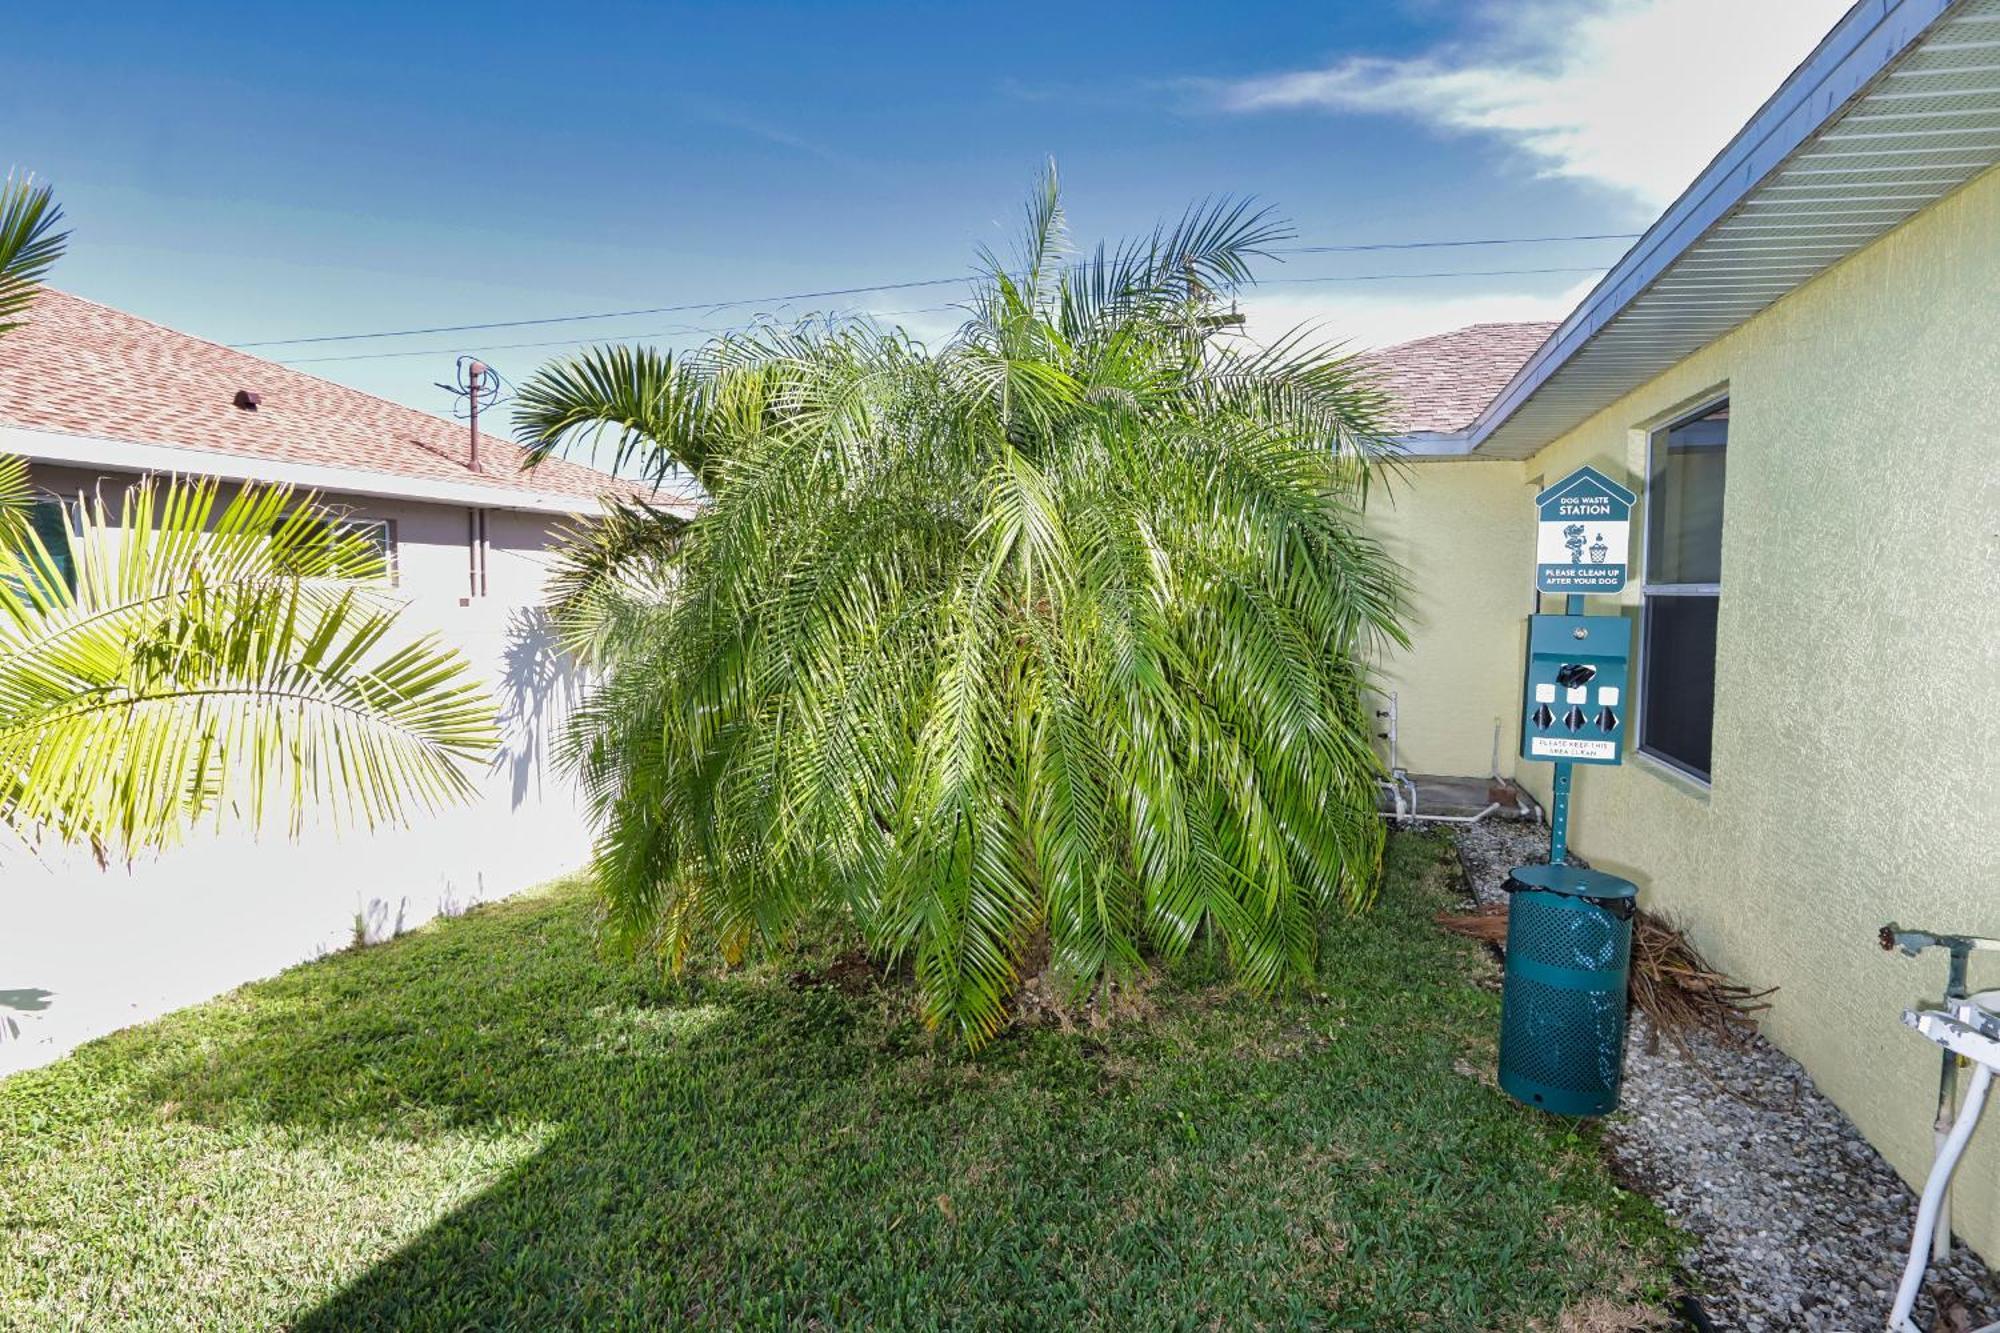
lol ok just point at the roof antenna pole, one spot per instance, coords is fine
(473, 373)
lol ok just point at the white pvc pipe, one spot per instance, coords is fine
(1456, 819)
(1933, 1198)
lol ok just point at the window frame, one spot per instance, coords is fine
(348, 523)
(1648, 590)
(391, 548)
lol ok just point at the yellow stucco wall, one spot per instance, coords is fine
(1856, 772)
(1455, 528)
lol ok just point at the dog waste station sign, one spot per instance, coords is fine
(1583, 542)
(1569, 928)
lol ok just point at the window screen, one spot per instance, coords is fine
(1683, 588)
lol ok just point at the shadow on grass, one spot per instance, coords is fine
(752, 1152)
(664, 1160)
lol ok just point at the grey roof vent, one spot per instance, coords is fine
(247, 400)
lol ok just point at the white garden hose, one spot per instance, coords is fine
(1969, 1030)
(1933, 1199)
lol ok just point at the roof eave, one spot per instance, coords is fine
(46, 446)
(1431, 445)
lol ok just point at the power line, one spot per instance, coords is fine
(1443, 245)
(499, 347)
(887, 314)
(907, 286)
(594, 337)
(1456, 273)
(609, 314)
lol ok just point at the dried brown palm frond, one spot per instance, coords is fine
(1672, 984)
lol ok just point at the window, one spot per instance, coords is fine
(1682, 588)
(49, 519)
(378, 533)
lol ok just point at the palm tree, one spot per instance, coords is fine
(185, 656)
(175, 656)
(29, 244)
(1051, 633)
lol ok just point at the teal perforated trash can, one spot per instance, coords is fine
(1562, 1005)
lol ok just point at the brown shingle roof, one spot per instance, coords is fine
(86, 369)
(1441, 383)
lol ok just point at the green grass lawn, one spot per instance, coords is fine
(484, 1125)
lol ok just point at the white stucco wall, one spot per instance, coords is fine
(1454, 527)
(84, 950)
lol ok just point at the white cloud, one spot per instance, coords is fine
(1636, 95)
(1379, 320)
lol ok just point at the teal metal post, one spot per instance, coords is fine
(1559, 807)
(1559, 818)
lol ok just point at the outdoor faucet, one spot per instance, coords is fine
(1914, 942)
(1911, 943)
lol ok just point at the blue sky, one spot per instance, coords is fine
(260, 172)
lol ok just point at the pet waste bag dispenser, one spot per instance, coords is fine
(1569, 930)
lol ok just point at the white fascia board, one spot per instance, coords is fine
(47, 446)
(1429, 445)
(1866, 41)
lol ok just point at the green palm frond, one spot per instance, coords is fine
(665, 415)
(1043, 248)
(29, 244)
(17, 500)
(1051, 633)
(611, 573)
(218, 658)
(1171, 274)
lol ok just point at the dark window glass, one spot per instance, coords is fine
(1677, 697)
(48, 520)
(1684, 500)
(1683, 539)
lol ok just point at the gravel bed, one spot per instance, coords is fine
(1798, 1222)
